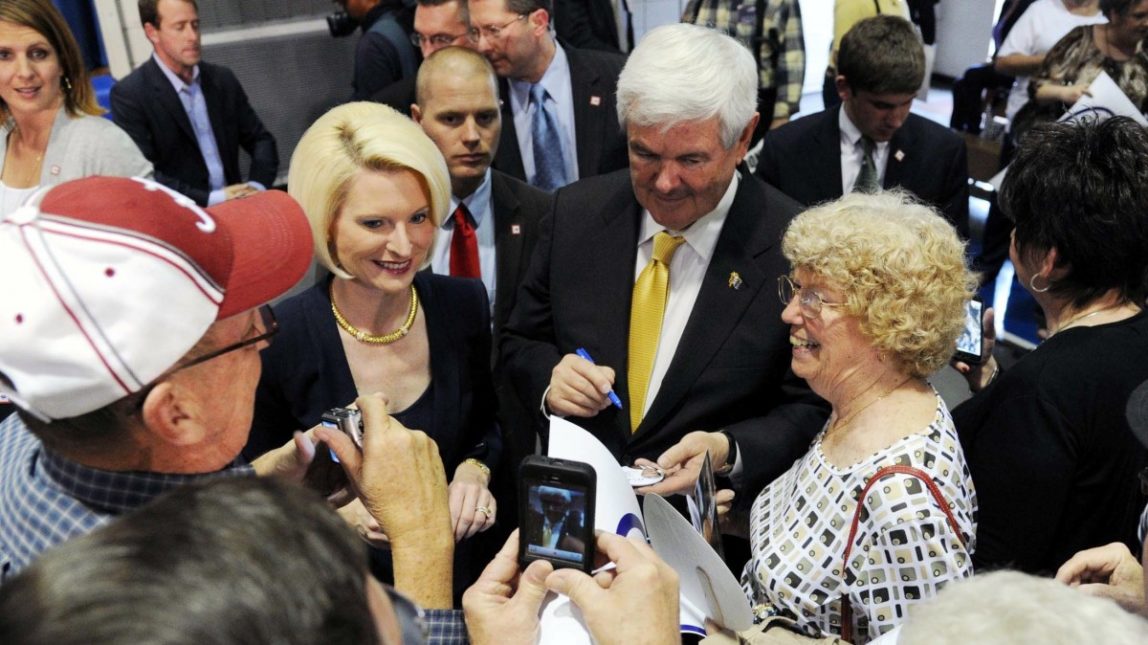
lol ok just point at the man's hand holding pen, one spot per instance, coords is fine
(578, 387)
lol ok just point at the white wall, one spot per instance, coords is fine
(964, 31)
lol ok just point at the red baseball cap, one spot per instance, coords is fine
(112, 280)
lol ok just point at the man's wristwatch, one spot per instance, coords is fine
(730, 456)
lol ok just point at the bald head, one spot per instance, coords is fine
(457, 94)
(445, 65)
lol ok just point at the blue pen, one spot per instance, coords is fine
(582, 353)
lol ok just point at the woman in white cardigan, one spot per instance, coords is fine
(52, 131)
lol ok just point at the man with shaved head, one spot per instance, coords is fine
(494, 217)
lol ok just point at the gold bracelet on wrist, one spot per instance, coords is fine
(479, 465)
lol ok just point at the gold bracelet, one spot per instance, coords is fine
(479, 465)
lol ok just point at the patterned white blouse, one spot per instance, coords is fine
(904, 549)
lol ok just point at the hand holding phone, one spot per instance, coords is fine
(557, 514)
(970, 344)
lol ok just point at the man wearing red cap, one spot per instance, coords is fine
(129, 344)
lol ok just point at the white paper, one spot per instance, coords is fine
(1106, 100)
(708, 588)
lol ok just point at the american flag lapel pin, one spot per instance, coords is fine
(515, 229)
(899, 155)
(595, 100)
(734, 280)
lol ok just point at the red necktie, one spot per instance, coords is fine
(464, 246)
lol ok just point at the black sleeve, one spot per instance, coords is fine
(527, 347)
(377, 65)
(573, 22)
(1023, 460)
(954, 204)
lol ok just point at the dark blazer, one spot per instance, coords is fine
(731, 369)
(803, 160)
(518, 210)
(588, 24)
(147, 107)
(599, 139)
(305, 371)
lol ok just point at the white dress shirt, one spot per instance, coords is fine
(687, 269)
(482, 212)
(556, 80)
(852, 152)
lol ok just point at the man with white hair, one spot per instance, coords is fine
(665, 274)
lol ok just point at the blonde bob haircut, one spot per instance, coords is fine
(353, 137)
(900, 266)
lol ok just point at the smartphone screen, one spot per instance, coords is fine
(969, 343)
(555, 525)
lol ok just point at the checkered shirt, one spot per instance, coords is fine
(445, 626)
(46, 499)
(780, 32)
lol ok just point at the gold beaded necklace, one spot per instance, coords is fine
(370, 339)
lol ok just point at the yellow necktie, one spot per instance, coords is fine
(647, 306)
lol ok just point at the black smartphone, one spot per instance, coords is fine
(970, 344)
(556, 512)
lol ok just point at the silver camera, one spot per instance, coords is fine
(347, 420)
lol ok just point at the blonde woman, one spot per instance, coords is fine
(375, 189)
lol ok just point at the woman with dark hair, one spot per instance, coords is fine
(51, 132)
(1077, 59)
(1048, 441)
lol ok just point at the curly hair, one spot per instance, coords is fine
(901, 267)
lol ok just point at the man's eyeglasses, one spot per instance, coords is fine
(808, 300)
(494, 32)
(443, 40)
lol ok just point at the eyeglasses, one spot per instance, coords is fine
(412, 620)
(494, 32)
(808, 300)
(443, 40)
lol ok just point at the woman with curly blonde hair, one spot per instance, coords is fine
(875, 303)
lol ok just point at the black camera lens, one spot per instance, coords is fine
(341, 24)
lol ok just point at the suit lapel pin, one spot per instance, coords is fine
(595, 101)
(515, 229)
(734, 281)
(54, 170)
(899, 155)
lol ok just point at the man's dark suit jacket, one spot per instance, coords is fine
(518, 210)
(588, 24)
(147, 107)
(731, 370)
(599, 139)
(803, 160)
